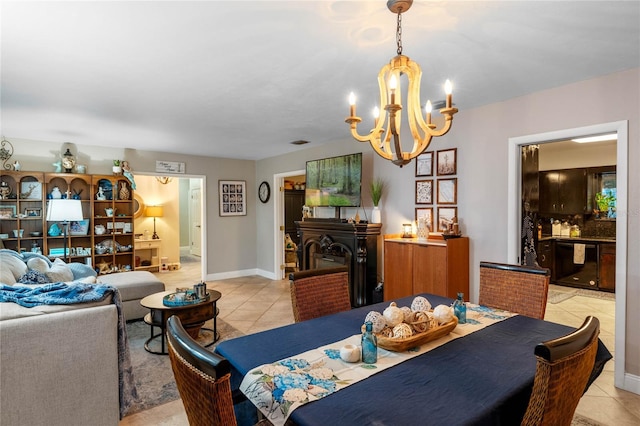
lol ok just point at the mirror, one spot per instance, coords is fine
(138, 206)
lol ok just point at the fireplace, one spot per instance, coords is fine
(332, 242)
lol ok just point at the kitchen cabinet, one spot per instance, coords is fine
(563, 191)
(414, 266)
(607, 267)
(546, 256)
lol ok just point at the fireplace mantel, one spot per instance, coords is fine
(355, 243)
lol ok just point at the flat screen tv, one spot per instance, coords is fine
(334, 182)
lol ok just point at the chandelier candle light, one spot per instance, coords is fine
(422, 130)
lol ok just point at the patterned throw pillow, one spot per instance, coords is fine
(34, 277)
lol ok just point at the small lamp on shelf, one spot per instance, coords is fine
(154, 212)
(407, 230)
(64, 211)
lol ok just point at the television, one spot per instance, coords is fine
(334, 182)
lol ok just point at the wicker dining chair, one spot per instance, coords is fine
(202, 378)
(319, 292)
(563, 369)
(515, 288)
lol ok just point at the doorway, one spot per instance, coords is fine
(515, 213)
(279, 214)
(181, 231)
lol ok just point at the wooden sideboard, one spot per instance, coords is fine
(414, 266)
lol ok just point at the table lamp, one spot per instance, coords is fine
(154, 212)
(64, 211)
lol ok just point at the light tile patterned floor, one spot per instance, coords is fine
(253, 304)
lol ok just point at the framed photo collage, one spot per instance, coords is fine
(437, 188)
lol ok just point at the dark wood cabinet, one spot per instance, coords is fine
(293, 202)
(607, 267)
(546, 256)
(563, 191)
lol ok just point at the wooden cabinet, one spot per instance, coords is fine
(437, 267)
(563, 191)
(607, 267)
(21, 212)
(148, 252)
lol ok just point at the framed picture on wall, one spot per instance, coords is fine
(424, 164)
(447, 162)
(445, 217)
(447, 191)
(233, 197)
(427, 214)
(424, 191)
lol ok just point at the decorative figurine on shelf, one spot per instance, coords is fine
(55, 193)
(54, 230)
(5, 191)
(58, 166)
(100, 195)
(68, 161)
(127, 172)
(17, 166)
(124, 193)
(76, 194)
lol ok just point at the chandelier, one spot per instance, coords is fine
(422, 129)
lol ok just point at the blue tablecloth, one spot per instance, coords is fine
(484, 378)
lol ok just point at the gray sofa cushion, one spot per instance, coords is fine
(133, 285)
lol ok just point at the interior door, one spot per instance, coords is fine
(195, 211)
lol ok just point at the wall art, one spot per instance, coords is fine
(233, 197)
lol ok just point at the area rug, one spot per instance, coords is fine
(560, 296)
(152, 373)
(579, 420)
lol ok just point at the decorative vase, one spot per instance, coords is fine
(375, 215)
(124, 191)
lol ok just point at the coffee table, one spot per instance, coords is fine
(192, 316)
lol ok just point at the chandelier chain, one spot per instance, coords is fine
(399, 32)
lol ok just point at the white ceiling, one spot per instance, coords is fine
(242, 79)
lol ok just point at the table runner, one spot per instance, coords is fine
(279, 388)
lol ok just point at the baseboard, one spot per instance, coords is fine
(241, 273)
(631, 383)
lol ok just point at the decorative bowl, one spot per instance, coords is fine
(35, 234)
(404, 344)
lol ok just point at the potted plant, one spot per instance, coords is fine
(377, 189)
(117, 169)
(604, 202)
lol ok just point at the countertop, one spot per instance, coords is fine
(578, 239)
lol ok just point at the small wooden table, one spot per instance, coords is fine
(192, 316)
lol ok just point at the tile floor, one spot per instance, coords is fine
(253, 304)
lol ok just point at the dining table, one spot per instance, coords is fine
(482, 378)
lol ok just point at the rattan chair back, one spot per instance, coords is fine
(319, 292)
(563, 369)
(202, 378)
(515, 288)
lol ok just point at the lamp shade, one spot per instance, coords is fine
(64, 210)
(154, 211)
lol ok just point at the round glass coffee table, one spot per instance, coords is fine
(193, 316)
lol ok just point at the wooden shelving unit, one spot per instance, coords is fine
(25, 208)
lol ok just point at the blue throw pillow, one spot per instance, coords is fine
(34, 277)
(80, 270)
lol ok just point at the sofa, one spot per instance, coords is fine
(59, 364)
(133, 286)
